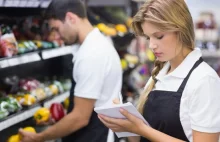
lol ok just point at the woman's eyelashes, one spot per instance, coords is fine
(160, 37)
(157, 37)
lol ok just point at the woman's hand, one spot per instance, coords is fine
(131, 124)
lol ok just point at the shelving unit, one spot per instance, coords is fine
(25, 3)
(18, 117)
(35, 56)
(29, 112)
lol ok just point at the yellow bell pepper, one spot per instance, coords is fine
(27, 129)
(42, 115)
(54, 89)
(66, 103)
(121, 28)
(14, 138)
(29, 100)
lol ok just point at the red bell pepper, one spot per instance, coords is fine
(57, 111)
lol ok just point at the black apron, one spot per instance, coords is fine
(95, 131)
(162, 110)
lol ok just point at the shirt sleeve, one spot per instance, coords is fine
(204, 106)
(89, 75)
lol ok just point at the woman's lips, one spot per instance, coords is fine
(158, 54)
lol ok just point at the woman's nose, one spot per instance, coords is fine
(152, 46)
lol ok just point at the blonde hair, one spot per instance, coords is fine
(167, 16)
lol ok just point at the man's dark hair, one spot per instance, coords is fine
(58, 9)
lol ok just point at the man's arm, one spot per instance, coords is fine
(77, 119)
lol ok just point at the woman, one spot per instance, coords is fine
(181, 99)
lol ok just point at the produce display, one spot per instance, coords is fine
(21, 93)
(55, 112)
(30, 34)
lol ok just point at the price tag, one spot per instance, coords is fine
(51, 53)
(36, 3)
(67, 50)
(45, 4)
(8, 3)
(29, 58)
(14, 61)
(16, 3)
(4, 64)
(24, 59)
(34, 57)
(1, 2)
(23, 3)
(30, 3)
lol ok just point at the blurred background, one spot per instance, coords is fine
(35, 65)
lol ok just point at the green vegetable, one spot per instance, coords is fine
(10, 104)
(3, 114)
(59, 85)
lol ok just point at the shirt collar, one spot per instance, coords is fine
(89, 37)
(183, 69)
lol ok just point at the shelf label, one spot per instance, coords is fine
(13, 61)
(32, 58)
(16, 3)
(8, 3)
(23, 3)
(36, 4)
(4, 64)
(45, 4)
(24, 59)
(1, 2)
(57, 52)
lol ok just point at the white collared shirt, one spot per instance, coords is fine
(200, 102)
(97, 70)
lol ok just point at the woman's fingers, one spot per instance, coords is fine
(116, 101)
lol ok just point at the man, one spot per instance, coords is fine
(97, 76)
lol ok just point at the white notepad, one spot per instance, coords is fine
(113, 111)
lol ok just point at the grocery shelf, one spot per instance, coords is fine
(19, 59)
(29, 112)
(25, 3)
(47, 54)
(58, 99)
(45, 3)
(34, 56)
(18, 117)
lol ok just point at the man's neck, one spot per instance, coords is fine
(84, 30)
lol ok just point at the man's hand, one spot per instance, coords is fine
(29, 136)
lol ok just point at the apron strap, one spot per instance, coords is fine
(71, 96)
(182, 86)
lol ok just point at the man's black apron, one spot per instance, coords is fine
(162, 110)
(95, 131)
